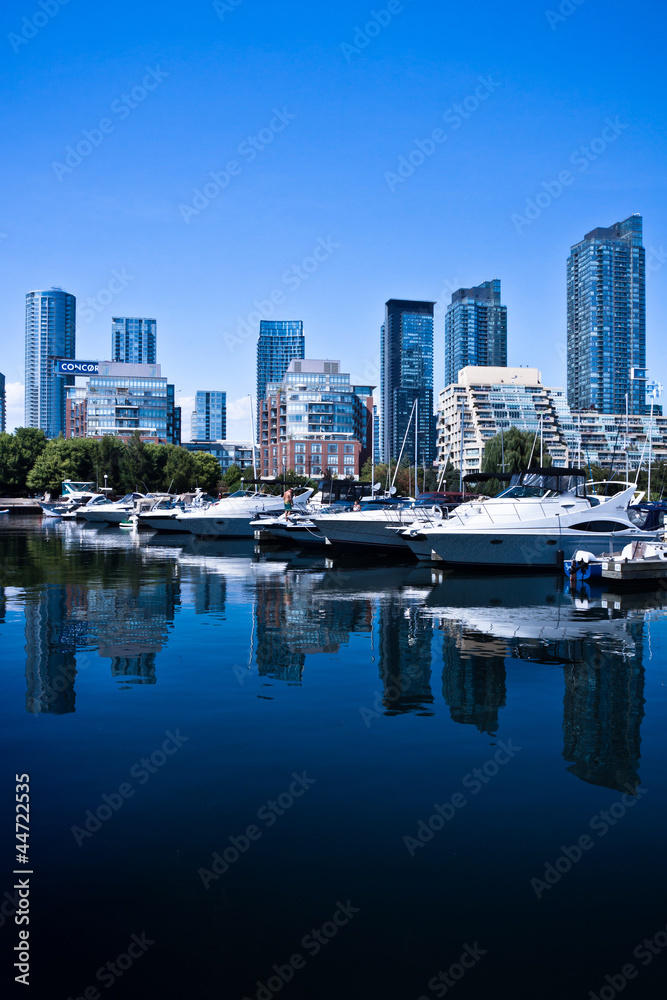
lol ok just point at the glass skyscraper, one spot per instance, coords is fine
(606, 320)
(50, 333)
(209, 417)
(280, 341)
(406, 374)
(475, 329)
(123, 398)
(133, 340)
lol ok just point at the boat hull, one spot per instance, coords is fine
(350, 534)
(541, 549)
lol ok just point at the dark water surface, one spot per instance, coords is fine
(235, 762)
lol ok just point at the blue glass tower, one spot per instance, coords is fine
(209, 417)
(50, 333)
(133, 340)
(406, 353)
(280, 341)
(606, 320)
(475, 329)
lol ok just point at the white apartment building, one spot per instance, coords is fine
(486, 400)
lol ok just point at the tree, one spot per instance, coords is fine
(207, 471)
(516, 447)
(61, 459)
(179, 470)
(231, 480)
(135, 465)
(18, 454)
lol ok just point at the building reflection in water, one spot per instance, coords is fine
(473, 678)
(51, 644)
(128, 624)
(297, 614)
(598, 642)
(404, 645)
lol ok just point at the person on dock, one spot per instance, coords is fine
(288, 498)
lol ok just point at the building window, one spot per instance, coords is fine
(348, 449)
(332, 449)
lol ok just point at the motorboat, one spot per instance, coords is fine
(231, 516)
(379, 523)
(74, 494)
(113, 512)
(542, 519)
(298, 529)
(160, 514)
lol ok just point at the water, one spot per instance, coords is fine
(273, 734)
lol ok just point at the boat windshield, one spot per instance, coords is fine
(539, 483)
(523, 492)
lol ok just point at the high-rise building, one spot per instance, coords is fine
(3, 405)
(280, 341)
(315, 421)
(50, 334)
(606, 320)
(475, 329)
(133, 340)
(406, 374)
(209, 417)
(123, 398)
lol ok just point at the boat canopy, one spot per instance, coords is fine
(551, 479)
(68, 486)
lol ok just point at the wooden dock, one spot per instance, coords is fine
(20, 505)
(634, 570)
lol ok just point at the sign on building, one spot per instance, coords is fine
(65, 367)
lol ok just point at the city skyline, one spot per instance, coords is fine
(300, 227)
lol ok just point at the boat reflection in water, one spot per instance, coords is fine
(598, 641)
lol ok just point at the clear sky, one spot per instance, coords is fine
(298, 117)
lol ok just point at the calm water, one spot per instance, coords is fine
(237, 759)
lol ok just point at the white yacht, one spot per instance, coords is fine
(73, 495)
(540, 521)
(379, 524)
(231, 516)
(112, 512)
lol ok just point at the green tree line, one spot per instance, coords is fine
(30, 462)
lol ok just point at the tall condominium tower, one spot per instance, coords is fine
(3, 405)
(50, 333)
(209, 417)
(475, 329)
(406, 374)
(280, 341)
(606, 320)
(134, 340)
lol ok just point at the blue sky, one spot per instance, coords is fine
(298, 120)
